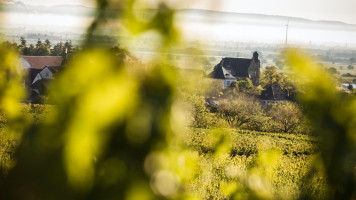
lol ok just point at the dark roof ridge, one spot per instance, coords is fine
(238, 58)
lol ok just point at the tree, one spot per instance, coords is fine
(332, 70)
(352, 60)
(350, 87)
(287, 116)
(121, 53)
(39, 43)
(271, 76)
(227, 112)
(58, 49)
(42, 49)
(240, 111)
(214, 88)
(22, 42)
(24, 50)
(31, 49)
(47, 44)
(11, 45)
(246, 86)
(68, 45)
(350, 67)
(201, 115)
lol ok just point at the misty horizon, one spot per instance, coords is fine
(194, 24)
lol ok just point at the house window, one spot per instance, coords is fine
(228, 83)
(47, 74)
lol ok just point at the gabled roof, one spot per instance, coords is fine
(275, 93)
(55, 69)
(231, 68)
(40, 84)
(40, 62)
(32, 73)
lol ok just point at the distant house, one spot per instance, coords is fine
(40, 70)
(40, 87)
(40, 62)
(274, 94)
(31, 75)
(47, 73)
(37, 91)
(348, 86)
(233, 69)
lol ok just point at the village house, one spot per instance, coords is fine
(40, 62)
(48, 72)
(39, 71)
(274, 94)
(34, 65)
(230, 70)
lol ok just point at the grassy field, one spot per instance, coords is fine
(230, 163)
(32, 113)
(269, 165)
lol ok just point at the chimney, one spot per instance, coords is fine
(255, 56)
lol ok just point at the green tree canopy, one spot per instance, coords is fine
(271, 75)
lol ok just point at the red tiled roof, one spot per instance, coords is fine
(40, 62)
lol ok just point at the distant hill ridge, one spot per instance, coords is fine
(79, 10)
(262, 15)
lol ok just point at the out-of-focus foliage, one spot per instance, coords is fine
(333, 117)
(11, 92)
(111, 134)
(115, 132)
(202, 118)
(10, 82)
(9, 137)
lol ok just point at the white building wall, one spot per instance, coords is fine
(227, 82)
(46, 73)
(24, 64)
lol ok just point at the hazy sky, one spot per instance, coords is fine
(335, 10)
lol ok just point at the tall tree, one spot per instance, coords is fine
(39, 43)
(41, 49)
(47, 44)
(271, 76)
(22, 42)
(58, 49)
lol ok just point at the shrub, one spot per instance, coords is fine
(286, 116)
(242, 111)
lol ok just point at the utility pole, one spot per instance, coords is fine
(287, 27)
